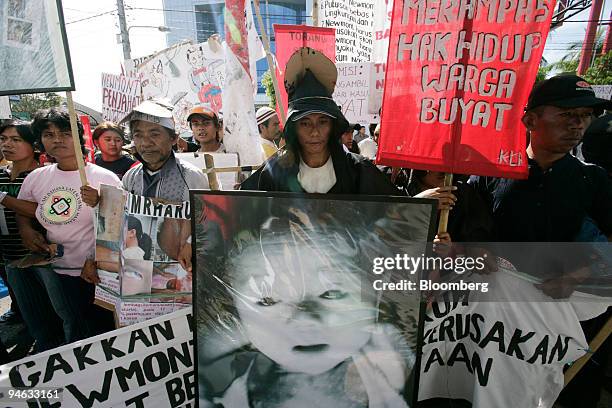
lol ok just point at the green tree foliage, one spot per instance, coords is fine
(600, 73)
(30, 103)
(266, 81)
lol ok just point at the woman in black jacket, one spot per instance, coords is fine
(314, 160)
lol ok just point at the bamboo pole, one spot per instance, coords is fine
(593, 347)
(443, 224)
(75, 138)
(315, 13)
(271, 63)
(209, 162)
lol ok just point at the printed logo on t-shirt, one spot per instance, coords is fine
(60, 206)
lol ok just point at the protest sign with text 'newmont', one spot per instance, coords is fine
(457, 80)
(146, 365)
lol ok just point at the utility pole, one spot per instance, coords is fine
(125, 36)
(589, 44)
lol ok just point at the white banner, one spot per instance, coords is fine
(603, 91)
(503, 354)
(382, 28)
(5, 108)
(149, 364)
(354, 23)
(352, 91)
(186, 75)
(120, 94)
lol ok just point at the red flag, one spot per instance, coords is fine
(456, 87)
(236, 32)
(290, 38)
(89, 144)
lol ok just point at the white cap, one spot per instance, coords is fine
(154, 112)
(264, 113)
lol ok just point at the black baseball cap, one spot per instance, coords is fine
(565, 91)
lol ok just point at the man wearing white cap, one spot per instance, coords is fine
(160, 174)
(269, 130)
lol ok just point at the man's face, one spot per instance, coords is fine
(362, 131)
(153, 142)
(347, 139)
(313, 133)
(58, 142)
(110, 144)
(272, 130)
(557, 130)
(204, 129)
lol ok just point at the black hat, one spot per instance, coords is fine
(310, 79)
(565, 91)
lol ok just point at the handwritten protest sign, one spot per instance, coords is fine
(458, 77)
(186, 75)
(120, 94)
(352, 91)
(353, 21)
(146, 365)
(290, 38)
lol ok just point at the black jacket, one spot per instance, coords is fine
(354, 175)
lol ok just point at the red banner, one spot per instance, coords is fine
(89, 144)
(235, 31)
(290, 38)
(458, 77)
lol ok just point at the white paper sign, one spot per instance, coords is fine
(149, 364)
(354, 22)
(352, 91)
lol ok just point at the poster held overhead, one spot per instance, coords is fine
(290, 38)
(456, 85)
(34, 55)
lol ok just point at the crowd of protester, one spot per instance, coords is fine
(45, 208)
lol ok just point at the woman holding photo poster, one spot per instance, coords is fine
(314, 160)
(290, 319)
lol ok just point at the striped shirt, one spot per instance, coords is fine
(11, 247)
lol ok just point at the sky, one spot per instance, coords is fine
(94, 48)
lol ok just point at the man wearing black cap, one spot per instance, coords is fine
(559, 195)
(314, 160)
(552, 203)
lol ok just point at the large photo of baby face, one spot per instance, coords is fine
(286, 313)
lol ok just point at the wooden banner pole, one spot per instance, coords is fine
(443, 223)
(593, 347)
(209, 162)
(315, 13)
(271, 63)
(75, 138)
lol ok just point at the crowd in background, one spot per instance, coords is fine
(46, 210)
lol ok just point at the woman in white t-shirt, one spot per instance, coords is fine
(55, 302)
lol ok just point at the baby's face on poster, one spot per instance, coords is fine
(303, 308)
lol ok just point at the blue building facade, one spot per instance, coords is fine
(199, 19)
